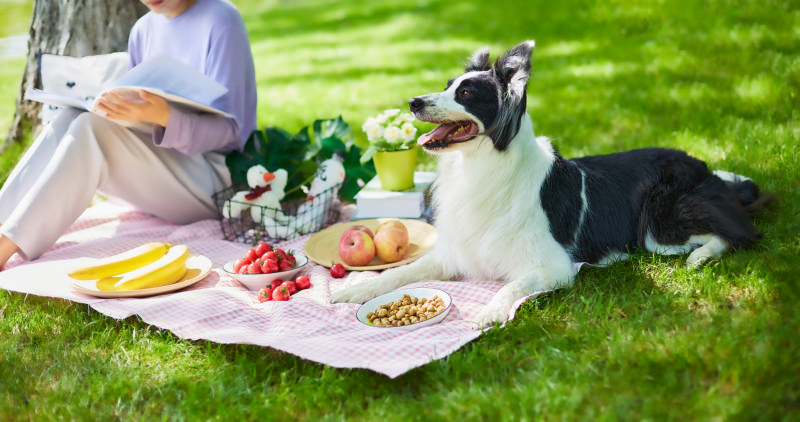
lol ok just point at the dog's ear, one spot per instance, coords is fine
(512, 71)
(479, 61)
(514, 68)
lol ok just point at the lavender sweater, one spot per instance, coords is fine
(211, 37)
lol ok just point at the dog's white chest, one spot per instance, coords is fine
(490, 220)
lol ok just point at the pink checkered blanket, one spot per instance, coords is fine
(222, 310)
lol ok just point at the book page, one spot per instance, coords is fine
(60, 100)
(132, 93)
(172, 77)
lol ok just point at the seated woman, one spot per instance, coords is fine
(171, 171)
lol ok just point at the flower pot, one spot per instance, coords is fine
(396, 168)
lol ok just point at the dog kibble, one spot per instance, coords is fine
(406, 310)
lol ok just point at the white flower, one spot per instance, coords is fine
(409, 131)
(373, 129)
(392, 126)
(404, 118)
(384, 117)
(388, 114)
(393, 134)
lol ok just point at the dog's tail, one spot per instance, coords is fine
(747, 191)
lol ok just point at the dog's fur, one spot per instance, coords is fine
(509, 207)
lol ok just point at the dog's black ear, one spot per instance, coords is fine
(479, 61)
(512, 71)
(514, 68)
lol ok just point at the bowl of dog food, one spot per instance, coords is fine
(406, 309)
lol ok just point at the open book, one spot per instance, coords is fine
(181, 85)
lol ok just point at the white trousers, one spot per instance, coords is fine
(81, 153)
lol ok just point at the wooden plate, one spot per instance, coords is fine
(323, 247)
(198, 268)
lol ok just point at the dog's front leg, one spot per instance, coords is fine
(498, 308)
(427, 267)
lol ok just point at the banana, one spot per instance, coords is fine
(167, 270)
(107, 284)
(123, 262)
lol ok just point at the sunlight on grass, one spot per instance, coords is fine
(602, 70)
(759, 91)
(708, 149)
(564, 48)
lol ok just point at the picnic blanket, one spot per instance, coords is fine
(222, 310)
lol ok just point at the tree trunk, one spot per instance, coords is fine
(73, 28)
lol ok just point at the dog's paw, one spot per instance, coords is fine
(490, 315)
(359, 293)
(698, 258)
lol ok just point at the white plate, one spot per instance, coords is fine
(198, 268)
(418, 292)
(257, 281)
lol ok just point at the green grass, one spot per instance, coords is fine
(642, 340)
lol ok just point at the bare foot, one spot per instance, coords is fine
(7, 249)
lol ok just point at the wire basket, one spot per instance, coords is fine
(256, 223)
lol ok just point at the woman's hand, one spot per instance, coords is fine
(146, 107)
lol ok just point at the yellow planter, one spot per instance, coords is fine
(396, 168)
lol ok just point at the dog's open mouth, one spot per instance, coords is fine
(449, 133)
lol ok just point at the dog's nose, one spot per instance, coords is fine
(416, 104)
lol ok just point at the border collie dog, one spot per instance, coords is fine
(510, 208)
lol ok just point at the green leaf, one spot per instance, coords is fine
(332, 128)
(356, 174)
(300, 155)
(330, 145)
(288, 152)
(239, 162)
(368, 154)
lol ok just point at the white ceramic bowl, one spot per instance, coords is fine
(258, 281)
(418, 292)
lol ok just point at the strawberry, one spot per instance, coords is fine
(284, 265)
(302, 282)
(280, 252)
(269, 266)
(280, 294)
(337, 270)
(265, 294)
(290, 286)
(251, 254)
(262, 248)
(254, 268)
(276, 283)
(240, 264)
(291, 258)
(270, 256)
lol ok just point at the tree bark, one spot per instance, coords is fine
(73, 28)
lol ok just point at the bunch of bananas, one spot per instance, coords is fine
(150, 265)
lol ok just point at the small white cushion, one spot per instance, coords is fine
(81, 77)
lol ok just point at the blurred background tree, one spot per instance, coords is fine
(73, 28)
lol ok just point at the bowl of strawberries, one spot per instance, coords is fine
(262, 264)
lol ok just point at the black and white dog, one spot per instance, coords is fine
(510, 208)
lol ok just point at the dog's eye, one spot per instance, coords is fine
(464, 92)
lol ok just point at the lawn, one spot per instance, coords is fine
(644, 339)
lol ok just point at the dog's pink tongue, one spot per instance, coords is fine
(438, 133)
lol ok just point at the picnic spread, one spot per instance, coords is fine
(212, 305)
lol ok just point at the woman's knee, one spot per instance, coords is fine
(89, 131)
